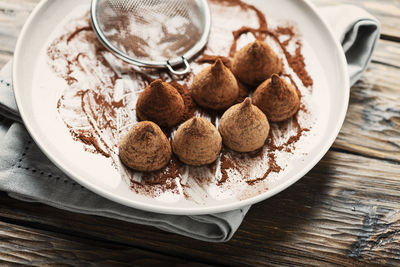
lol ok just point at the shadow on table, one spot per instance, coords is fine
(272, 228)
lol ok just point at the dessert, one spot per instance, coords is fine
(255, 63)
(98, 104)
(277, 98)
(161, 103)
(244, 127)
(145, 147)
(215, 87)
(197, 142)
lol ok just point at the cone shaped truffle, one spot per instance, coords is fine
(145, 147)
(215, 87)
(244, 127)
(255, 63)
(197, 142)
(277, 99)
(161, 103)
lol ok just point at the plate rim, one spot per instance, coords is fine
(181, 210)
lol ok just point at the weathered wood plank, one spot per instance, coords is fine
(386, 11)
(4, 58)
(13, 14)
(387, 52)
(344, 212)
(12, 17)
(374, 109)
(338, 214)
(372, 125)
(21, 245)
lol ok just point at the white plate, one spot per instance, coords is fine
(37, 105)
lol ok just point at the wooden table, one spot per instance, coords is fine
(346, 211)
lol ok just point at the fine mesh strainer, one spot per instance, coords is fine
(153, 33)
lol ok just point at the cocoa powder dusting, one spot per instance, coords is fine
(211, 59)
(243, 93)
(293, 83)
(296, 61)
(174, 169)
(190, 106)
(102, 118)
(243, 89)
(77, 31)
(298, 65)
(285, 31)
(87, 138)
(304, 108)
(157, 182)
(299, 132)
(259, 33)
(226, 164)
(273, 167)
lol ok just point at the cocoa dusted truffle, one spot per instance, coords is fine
(255, 63)
(244, 127)
(145, 147)
(197, 142)
(161, 103)
(277, 99)
(215, 87)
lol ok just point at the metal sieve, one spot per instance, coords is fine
(152, 33)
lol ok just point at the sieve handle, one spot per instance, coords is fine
(181, 72)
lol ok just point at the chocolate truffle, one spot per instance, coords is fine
(161, 103)
(277, 99)
(197, 142)
(145, 147)
(255, 63)
(244, 127)
(215, 87)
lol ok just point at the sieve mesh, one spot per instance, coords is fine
(152, 32)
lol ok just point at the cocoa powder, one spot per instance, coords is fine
(160, 177)
(226, 164)
(211, 59)
(190, 106)
(273, 167)
(96, 104)
(141, 36)
(77, 31)
(296, 61)
(299, 132)
(293, 83)
(243, 89)
(259, 33)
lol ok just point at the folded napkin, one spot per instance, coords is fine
(26, 173)
(358, 31)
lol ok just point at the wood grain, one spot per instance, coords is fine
(12, 17)
(387, 11)
(346, 211)
(338, 214)
(387, 53)
(14, 13)
(21, 245)
(372, 124)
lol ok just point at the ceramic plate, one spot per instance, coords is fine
(41, 90)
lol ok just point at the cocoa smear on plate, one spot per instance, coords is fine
(98, 118)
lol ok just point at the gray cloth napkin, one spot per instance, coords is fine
(26, 173)
(358, 31)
